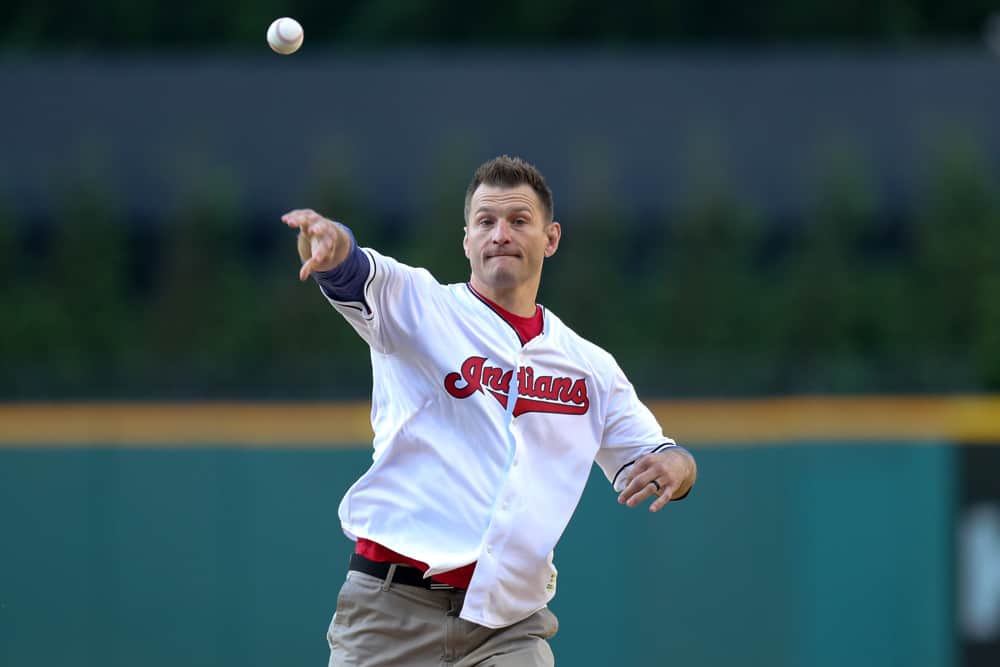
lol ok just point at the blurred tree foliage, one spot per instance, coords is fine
(228, 23)
(957, 263)
(715, 299)
(589, 278)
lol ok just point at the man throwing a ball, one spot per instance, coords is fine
(488, 413)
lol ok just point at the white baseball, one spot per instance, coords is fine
(285, 35)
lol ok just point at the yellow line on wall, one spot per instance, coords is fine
(335, 424)
(952, 419)
(186, 424)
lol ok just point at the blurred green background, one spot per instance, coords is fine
(779, 198)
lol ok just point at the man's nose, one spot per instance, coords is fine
(501, 232)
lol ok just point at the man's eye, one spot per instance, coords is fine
(485, 221)
(520, 221)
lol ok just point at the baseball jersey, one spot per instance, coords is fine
(483, 445)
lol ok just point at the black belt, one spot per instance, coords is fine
(403, 574)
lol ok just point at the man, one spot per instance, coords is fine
(488, 413)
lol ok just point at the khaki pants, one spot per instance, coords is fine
(409, 626)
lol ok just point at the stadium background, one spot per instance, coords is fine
(784, 221)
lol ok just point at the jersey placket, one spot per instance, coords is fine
(506, 507)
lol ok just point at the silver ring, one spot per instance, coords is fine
(657, 485)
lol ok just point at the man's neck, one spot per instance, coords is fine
(517, 300)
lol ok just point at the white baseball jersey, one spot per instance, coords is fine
(482, 445)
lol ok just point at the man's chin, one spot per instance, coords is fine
(498, 280)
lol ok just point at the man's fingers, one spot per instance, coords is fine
(304, 246)
(640, 485)
(665, 495)
(322, 253)
(293, 218)
(318, 227)
(639, 476)
(317, 239)
(300, 218)
(311, 264)
(322, 249)
(638, 488)
(646, 491)
(635, 494)
(307, 268)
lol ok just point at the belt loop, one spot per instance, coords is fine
(388, 577)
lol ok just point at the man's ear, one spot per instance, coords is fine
(553, 231)
(465, 241)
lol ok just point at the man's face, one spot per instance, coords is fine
(507, 236)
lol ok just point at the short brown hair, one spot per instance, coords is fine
(509, 172)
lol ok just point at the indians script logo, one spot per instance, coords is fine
(545, 393)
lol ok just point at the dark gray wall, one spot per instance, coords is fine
(267, 124)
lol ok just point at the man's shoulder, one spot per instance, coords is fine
(390, 265)
(564, 335)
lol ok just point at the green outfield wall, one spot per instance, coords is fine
(787, 554)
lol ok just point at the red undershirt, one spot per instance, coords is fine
(526, 328)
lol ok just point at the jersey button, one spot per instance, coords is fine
(489, 549)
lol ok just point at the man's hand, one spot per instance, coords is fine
(664, 474)
(323, 244)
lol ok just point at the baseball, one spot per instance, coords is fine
(285, 36)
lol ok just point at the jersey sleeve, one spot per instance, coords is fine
(386, 309)
(630, 432)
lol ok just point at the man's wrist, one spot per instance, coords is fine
(691, 470)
